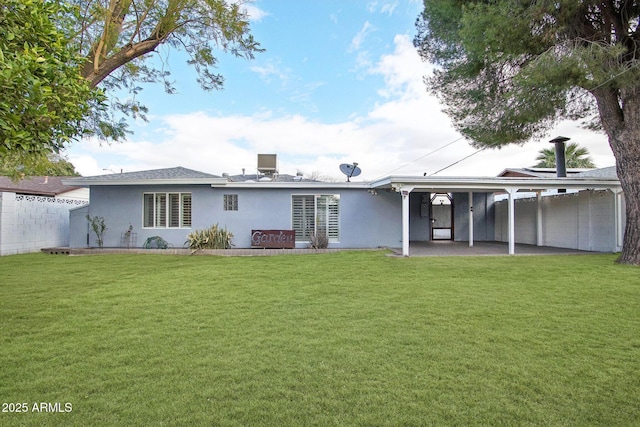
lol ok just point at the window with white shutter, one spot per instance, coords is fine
(313, 214)
(166, 210)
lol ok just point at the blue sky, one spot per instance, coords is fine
(339, 82)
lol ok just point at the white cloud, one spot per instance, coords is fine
(385, 7)
(269, 71)
(255, 13)
(359, 38)
(404, 134)
(389, 8)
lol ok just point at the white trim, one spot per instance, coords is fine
(492, 184)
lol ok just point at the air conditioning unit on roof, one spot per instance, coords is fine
(267, 163)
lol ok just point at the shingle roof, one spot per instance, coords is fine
(609, 173)
(168, 173)
(36, 185)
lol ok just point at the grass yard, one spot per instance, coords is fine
(349, 338)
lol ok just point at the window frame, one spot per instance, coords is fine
(230, 202)
(166, 210)
(326, 214)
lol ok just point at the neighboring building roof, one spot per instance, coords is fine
(50, 186)
(537, 172)
(177, 175)
(608, 173)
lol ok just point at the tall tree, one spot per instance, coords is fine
(510, 69)
(117, 37)
(52, 165)
(575, 156)
(43, 98)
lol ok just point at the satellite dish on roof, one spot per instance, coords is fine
(350, 170)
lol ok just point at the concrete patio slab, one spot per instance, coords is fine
(451, 248)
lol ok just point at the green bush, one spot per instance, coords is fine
(213, 237)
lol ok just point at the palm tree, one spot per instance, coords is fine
(576, 157)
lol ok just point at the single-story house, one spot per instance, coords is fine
(388, 212)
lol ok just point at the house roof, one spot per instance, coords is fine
(537, 172)
(177, 175)
(180, 175)
(50, 186)
(607, 173)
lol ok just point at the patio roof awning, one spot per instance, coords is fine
(510, 185)
(492, 184)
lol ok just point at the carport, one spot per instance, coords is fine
(510, 186)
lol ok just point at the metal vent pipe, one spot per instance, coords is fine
(561, 161)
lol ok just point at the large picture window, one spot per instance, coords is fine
(315, 214)
(167, 210)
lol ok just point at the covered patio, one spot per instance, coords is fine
(510, 186)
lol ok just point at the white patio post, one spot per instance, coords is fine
(405, 221)
(512, 217)
(618, 223)
(539, 219)
(470, 219)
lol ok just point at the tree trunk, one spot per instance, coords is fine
(620, 116)
(628, 166)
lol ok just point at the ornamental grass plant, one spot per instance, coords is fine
(214, 237)
(347, 338)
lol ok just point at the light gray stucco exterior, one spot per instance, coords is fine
(366, 220)
(389, 212)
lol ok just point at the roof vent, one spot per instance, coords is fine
(267, 163)
(561, 163)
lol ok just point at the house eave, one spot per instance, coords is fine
(492, 184)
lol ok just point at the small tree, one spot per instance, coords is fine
(99, 227)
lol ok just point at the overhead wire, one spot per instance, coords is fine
(422, 157)
(587, 91)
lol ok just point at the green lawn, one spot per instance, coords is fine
(349, 338)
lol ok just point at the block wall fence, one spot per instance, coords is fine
(30, 223)
(583, 221)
